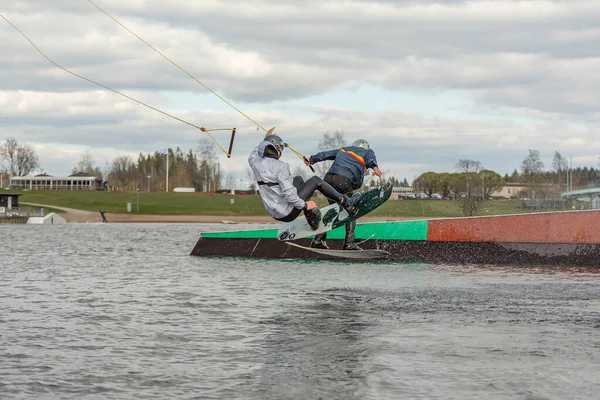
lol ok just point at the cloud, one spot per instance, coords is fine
(521, 74)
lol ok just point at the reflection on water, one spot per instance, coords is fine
(123, 311)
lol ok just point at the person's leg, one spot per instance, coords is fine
(298, 182)
(350, 239)
(342, 185)
(305, 192)
(315, 183)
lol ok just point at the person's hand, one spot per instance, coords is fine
(306, 162)
(377, 172)
(270, 131)
(310, 205)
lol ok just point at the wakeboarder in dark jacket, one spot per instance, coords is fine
(346, 175)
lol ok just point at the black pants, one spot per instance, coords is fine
(342, 185)
(339, 183)
(307, 189)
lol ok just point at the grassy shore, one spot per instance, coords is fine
(161, 203)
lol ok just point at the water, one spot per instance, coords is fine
(121, 311)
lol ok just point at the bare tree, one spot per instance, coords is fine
(122, 170)
(88, 166)
(229, 181)
(331, 141)
(20, 159)
(468, 166)
(560, 165)
(532, 168)
(301, 170)
(251, 178)
(209, 167)
(469, 183)
(106, 170)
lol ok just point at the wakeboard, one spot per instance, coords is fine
(368, 254)
(334, 215)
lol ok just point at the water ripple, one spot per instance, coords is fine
(123, 311)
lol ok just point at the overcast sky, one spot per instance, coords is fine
(425, 82)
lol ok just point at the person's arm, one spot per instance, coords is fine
(323, 155)
(371, 162)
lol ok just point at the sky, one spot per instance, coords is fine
(426, 83)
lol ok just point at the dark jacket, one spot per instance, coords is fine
(350, 162)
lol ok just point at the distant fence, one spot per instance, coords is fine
(6, 212)
(551, 204)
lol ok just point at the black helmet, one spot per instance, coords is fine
(276, 141)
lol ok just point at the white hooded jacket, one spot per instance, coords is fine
(280, 196)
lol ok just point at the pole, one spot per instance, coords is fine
(167, 184)
(571, 175)
(483, 194)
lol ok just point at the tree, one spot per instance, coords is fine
(229, 181)
(532, 168)
(468, 166)
(332, 141)
(251, 178)
(469, 183)
(20, 159)
(560, 165)
(444, 184)
(299, 170)
(427, 182)
(122, 170)
(490, 182)
(209, 168)
(470, 170)
(88, 166)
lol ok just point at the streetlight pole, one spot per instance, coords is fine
(483, 189)
(167, 184)
(148, 183)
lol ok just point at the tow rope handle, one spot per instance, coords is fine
(231, 143)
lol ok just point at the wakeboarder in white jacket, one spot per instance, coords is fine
(284, 196)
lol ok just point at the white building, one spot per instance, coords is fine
(399, 192)
(77, 181)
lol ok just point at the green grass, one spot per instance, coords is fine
(444, 208)
(219, 204)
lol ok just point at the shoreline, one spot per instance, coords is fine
(194, 219)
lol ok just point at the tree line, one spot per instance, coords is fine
(201, 170)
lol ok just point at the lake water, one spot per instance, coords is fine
(121, 311)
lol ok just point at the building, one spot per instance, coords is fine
(78, 181)
(509, 191)
(8, 201)
(399, 192)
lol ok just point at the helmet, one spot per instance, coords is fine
(361, 143)
(276, 141)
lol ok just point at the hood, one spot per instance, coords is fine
(262, 147)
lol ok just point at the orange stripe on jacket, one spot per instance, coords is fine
(356, 156)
